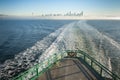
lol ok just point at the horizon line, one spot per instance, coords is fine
(62, 17)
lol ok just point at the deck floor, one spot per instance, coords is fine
(68, 69)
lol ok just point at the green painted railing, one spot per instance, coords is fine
(42, 67)
(99, 68)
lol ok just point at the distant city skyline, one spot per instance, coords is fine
(70, 13)
(39, 7)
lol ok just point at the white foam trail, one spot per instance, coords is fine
(27, 58)
(109, 64)
(108, 49)
(55, 46)
(113, 42)
(67, 40)
(72, 38)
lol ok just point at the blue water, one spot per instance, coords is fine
(18, 35)
(110, 28)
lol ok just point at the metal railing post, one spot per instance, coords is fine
(101, 71)
(113, 77)
(91, 63)
(21, 78)
(37, 70)
(84, 57)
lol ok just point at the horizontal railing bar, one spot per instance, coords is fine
(96, 62)
(99, 65)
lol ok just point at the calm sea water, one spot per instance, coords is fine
(110, 28)
(18, 35)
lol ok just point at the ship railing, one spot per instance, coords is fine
(40, 68)
(94, 64)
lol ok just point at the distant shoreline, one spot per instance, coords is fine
(61, 17)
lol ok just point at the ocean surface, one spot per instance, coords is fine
(18, 35)
(24, 43)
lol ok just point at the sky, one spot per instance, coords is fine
(38, 7)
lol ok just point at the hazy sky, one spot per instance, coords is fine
(89, 7)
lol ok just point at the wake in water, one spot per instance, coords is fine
(76, 35)
(80, 35)
(27, 58)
